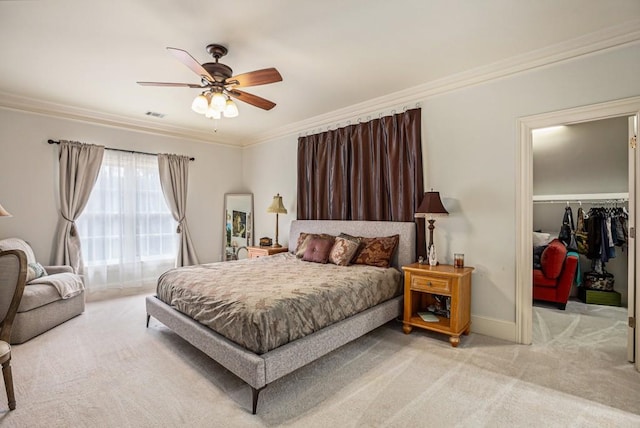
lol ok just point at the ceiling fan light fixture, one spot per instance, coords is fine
(218, 82)
(212, 113)
(200, 104)
(230, 110)
(218, 101)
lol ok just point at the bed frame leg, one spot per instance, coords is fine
(148, 318)
(255, 392)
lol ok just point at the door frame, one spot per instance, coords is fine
(633, 162)
(524, 198)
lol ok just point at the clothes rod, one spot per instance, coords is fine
(121, 150)
(586, 201)
(585, 197)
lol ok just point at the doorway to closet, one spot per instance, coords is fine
(580, 198)
(629, 107)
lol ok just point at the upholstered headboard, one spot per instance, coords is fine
(369, 229)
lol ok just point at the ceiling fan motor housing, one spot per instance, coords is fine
(218, 70)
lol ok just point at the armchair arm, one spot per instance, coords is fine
(58, 269)
(566, 277)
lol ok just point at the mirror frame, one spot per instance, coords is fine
(248, 225)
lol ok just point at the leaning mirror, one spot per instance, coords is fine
(238, 225)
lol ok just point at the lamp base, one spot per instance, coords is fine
(433, 257)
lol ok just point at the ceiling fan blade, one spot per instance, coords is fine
(182, 85)
(252, 99)
(185, 58)
(257, 77)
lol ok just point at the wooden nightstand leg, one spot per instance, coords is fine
(454, 340)
(406, 328)
(467, 331)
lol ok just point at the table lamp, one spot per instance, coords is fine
(277, 207)
(430, 207)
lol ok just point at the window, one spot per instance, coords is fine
(127, 232)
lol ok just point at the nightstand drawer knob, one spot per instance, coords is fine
(429, 283)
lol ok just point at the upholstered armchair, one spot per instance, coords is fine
(552, 283)
(53, 295)
(13, 275)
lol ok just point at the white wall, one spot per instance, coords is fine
(589, 157)
(469, 140)
(269, 169)
(28, 177)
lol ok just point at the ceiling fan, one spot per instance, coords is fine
(219, 85)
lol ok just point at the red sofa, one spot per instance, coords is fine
(553, 282)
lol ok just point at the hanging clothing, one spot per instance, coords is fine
(594, 235)
(620, 230)
(567, 230)
(606, 229)
(607, 250)
(581, 233)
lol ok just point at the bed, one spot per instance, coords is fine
(259, 364)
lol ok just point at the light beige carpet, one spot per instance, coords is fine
(105, 369)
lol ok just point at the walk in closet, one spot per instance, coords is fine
(583, 169)
(600, 225)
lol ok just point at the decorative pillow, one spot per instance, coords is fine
(35, 270)
(305, 238)
(343, 250)
(540, 239)
(301, 246)
(377, 251)
(552, 259)
(318, 250)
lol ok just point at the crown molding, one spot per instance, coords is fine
(46, 108)
(609, 38)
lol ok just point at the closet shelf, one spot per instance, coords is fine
(618, 197)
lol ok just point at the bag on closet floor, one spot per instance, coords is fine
(599, 281)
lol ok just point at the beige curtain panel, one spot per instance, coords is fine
(79, 167)
(174, 177)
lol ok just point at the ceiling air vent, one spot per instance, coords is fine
(155, 114)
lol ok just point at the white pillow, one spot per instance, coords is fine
(540, 239)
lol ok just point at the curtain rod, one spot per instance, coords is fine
(360, 119)
(120, 150)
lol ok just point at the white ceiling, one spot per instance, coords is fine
(81, 58)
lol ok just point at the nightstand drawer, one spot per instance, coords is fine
(431, 284)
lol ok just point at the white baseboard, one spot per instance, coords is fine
(114, 293)
(500, 329)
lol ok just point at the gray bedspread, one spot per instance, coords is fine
(264, 303)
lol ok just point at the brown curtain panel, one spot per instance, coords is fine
(368, 171)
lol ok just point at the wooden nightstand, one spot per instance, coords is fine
(422, 283)
(255, 252)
